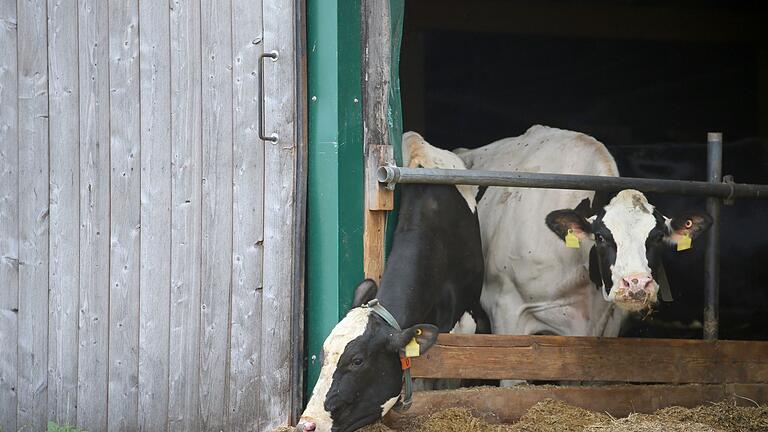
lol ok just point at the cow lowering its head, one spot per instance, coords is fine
(434, 274)
(628, 235)
(361, 375)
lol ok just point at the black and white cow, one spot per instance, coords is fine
(628, 236)
(536, 285)
(742, 256)
(433, 275)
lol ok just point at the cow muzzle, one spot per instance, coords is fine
(306, 426)
(636, 291)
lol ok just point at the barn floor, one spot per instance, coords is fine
(555, 416)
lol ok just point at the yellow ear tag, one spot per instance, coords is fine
(571, 240)
(684, 242)
(412, 349)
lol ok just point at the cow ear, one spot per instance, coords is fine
(365, 292)
(584, 209)
(560, 221)
(425, 335)
(693, 223)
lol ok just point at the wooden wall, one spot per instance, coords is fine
(148, 237)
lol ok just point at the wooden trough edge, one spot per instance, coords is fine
(507, 405)
(626, 360)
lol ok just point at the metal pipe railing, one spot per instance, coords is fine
(712, 254)
(392, 175)
(714, 188)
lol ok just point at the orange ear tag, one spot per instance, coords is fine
(684, 242)
(571, 240)
(412, 349)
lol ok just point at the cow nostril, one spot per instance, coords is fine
(309, 426)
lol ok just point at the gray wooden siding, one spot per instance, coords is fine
(149, 240)
(9, 215)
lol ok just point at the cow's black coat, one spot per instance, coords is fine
(433, 275)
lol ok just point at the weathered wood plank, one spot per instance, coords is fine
(594, 359)
(300, 225)
(376, 66)
(507, 405)
(217, 212)
(279, 214)
(155, 291)
(125, 190)
(33, 216)
(248, 218)
(65, 217)
(9, 215)
(378, 199)
(376, 63)
(92, 366)
(185, 216)
(375, 226)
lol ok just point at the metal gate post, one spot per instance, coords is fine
(712, 255)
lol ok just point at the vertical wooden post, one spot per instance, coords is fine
(125, 215)
(156, 203)
(33, 202)
(186, 215)
(376, 67)
(217, 238)
(248, 219)
(9, 217)
(281, 205)
(64, 261)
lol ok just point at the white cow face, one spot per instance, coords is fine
(361, 376)
(628, 235)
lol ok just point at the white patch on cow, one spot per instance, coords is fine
(465, 325)
(630, 218)
(348, 329)
(526, 265)
(388, 405)
(418, 152)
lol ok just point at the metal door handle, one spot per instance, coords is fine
(273, 55)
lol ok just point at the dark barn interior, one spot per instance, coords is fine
(647, 78)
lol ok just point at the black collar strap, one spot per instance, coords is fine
(407, 397)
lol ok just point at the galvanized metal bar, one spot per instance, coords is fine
(712, 256)
(392, 175)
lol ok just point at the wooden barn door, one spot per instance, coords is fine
(150, 241)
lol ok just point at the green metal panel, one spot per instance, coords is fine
(335, 171)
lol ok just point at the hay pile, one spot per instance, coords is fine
(376, 427)
(555, 416)
(551, 415)
(448, 420)
(716, 417)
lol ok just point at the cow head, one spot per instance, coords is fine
(628, 235)
(361, 376)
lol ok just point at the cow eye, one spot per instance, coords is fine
(357, 362)
(599, 238)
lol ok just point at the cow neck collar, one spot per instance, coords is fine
(406, 398)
